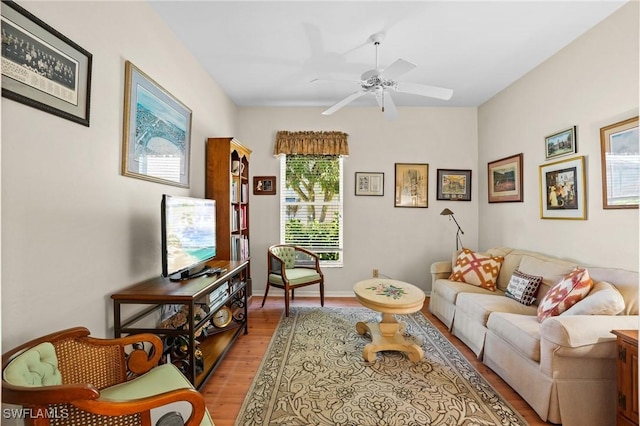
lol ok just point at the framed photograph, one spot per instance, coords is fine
(454, 185)
(264, 185)
(369, 183)
(619, 144)
(563, 190)
(157, 132)
(505, 179)
(411, 184)
(561, 143)
(42, 68)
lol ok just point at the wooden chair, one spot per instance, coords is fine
(291, 267)
(70, 378)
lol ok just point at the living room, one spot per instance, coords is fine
(74, 230)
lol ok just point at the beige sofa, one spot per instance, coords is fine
(564, 367)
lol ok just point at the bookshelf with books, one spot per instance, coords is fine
(227, 182)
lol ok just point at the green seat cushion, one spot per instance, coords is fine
(163, 378)
(296, 276)
(37, 366)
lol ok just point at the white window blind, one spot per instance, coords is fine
(311, 205)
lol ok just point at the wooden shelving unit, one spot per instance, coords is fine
(201, 345)
(227, 182)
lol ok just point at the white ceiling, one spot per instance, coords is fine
(265, 53)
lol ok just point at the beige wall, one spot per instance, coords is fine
(401, 242)
(73, 229)
(591, 83)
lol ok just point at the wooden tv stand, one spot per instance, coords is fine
(192, 341)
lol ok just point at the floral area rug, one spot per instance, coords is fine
(313, 374)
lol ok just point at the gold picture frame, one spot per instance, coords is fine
(620, 159)
(563, 190)
(411, 185)
(156, 132)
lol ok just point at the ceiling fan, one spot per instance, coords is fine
(379, 82)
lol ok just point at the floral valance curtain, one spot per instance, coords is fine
(311, 143)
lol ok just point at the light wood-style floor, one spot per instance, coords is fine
(225, 390)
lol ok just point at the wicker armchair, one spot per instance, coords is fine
(70, 378)
(291, 267)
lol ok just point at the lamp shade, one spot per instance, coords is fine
(446, 212)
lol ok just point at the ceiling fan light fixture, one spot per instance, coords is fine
(379, 81)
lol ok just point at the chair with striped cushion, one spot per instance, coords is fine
(291, 267)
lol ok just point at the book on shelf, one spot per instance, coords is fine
(244, 195)
(239, 247)
(234, 191)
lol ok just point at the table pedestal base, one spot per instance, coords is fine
(387, 336)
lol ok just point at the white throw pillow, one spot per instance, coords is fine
(603, 299)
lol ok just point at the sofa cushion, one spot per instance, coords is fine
(523, 287)
(480, 306)
(551, 270)
(625, 281)
(520, 331)
(569, 291)
(477, 269)
(449, 290)
(603, 299)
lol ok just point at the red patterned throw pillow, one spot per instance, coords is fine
(477, 269)
(570, 290)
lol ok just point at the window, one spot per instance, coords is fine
(311, 205)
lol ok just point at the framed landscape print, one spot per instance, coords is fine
(157, 132)
(454, 185)
(42, 68)
(561, 143)
(563, 190)
(411, 185)
(505, 179)
(369, 183)
(620, 164)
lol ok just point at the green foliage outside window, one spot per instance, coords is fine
(315, 181)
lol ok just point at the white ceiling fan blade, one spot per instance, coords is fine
(386, 103)
(333, 80)
(396, 69)
(424, 90)
(343, 102)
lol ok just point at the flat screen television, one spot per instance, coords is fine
(188, 236)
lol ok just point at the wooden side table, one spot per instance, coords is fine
(627, 376)
(388, 297)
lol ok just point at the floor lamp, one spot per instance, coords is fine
(447, 212)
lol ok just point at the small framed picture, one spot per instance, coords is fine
(411, 184)
(454, 185)
(619, 144)
(264, 185)
(563, 190)
(505, 179)
(368, 183)
(561, 143)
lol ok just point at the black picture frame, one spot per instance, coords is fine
(60, 84)
(454, 185)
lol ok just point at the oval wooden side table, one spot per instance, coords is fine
(389, 297)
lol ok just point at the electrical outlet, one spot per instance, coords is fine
(375, 273)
